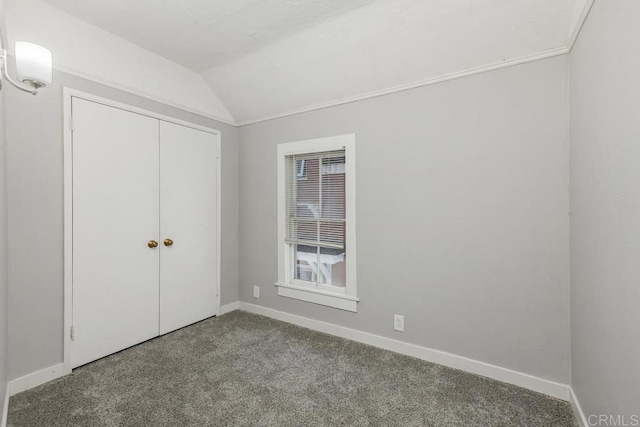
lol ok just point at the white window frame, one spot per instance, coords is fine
(345, 298)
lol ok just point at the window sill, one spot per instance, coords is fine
(316, 296)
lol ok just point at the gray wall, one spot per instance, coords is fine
(605, 210)
(3, 243)
(3, 258)
(35, 195)
(462, 215)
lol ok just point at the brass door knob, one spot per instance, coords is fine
(152, 244)
(168, 242)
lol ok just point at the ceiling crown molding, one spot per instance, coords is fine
(563, 50)
(420, 83)
(142, 94)
(581, 20)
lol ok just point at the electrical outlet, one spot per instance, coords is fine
(398, 323)
(256, 291)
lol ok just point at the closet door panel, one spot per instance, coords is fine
(115, 215)
(188, 211)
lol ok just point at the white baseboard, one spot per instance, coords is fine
(577, 409)
(227, 308)
(34, 379)
(42, 376)
(550, 388)
(5, 407)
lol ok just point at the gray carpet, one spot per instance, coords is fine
(246, 370)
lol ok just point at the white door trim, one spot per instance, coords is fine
(67, 95)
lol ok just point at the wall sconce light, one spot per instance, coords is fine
(34, 67)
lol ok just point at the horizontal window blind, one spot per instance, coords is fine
(315, 199)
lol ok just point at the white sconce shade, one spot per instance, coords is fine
(33, 64)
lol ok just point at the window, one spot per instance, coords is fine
(316, 221)
(300, 169)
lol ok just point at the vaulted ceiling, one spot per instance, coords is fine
(265, 58)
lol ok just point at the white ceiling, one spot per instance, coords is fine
(200, 34)
(264, 58)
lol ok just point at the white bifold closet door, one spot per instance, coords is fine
(144, 228)
(188, 210)
(115, 213)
